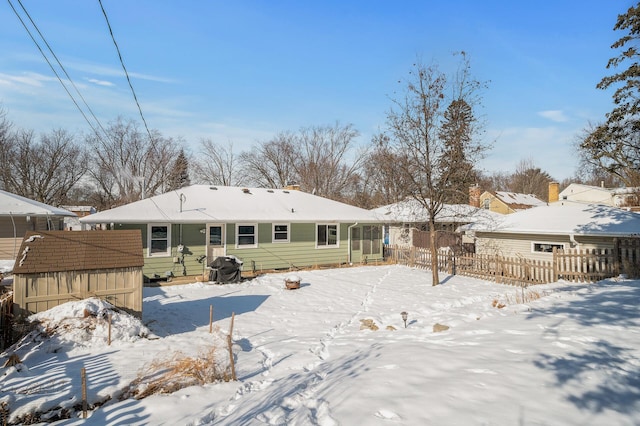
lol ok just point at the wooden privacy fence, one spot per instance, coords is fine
(6, 302)
(568, 264)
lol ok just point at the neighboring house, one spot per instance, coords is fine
(186, 229)
(73, 223)
(19, 215)
(406, 221)
(534, 233)
(508, 202)
(615, 197)
(55, 267)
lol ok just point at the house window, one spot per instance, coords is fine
(546, 247)
(280, 232)
(486, 203)
(159, 241)
(246, 235)
(215, 236)
(327, 236)
(370, 239)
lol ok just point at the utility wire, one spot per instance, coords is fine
(63, 68)
(51, 65)
(125, 70)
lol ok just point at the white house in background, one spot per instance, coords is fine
(73, 223)
(19, 215)
(403, 219)
(533, 233)
(615, 197)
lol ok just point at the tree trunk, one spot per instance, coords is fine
(434, 253)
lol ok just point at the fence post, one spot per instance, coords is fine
(83, 378)
(554, 265)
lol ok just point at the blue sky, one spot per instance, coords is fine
(243, 71)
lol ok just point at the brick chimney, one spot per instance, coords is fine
(474, 196)
(554, 192)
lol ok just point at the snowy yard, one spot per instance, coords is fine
(569, 357)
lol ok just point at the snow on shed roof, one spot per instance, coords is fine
(16, 205)
(565, 218)
(411, 211)
(517, 200)
(205, 203)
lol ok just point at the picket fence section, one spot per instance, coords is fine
(569, 264)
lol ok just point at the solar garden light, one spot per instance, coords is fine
(404, 318)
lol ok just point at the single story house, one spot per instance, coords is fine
(628, 197)
(55, 267)
(73, 223)
(534, 233)
(186, 229)
(19, 215)
(406, 221)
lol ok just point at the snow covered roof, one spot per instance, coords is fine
(565, 218)
(411, 211)
(205, 203)
(517, 201)
(16, 205)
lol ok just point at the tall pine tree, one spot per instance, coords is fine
(179, 174)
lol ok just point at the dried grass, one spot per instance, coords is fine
(517, 299)
(165, 376)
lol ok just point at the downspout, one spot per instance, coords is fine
(349, 239)
(572, 238)
(15, 238)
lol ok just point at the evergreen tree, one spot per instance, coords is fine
(456, 133)
(179, 174)
(615, 144)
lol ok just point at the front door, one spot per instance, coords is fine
(215, 242)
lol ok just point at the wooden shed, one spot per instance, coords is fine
(54, 267)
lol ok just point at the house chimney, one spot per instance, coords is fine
(554, 192)
(474, 196)
(292, 187)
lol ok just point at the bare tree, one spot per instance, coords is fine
(316, 158)
(383, 181)
(529, 179)
(321, 162)
(217, 165)
(418, 122)
(129, 164)
(44, 170)
(271, 164)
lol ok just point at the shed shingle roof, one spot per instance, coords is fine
(54, 251)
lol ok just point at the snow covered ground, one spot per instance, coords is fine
(569, 357)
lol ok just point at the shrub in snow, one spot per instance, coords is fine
(168, 375)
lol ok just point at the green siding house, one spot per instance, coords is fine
(183, 231)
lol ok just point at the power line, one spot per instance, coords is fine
(62, 68)
(125, 70)
(53, 68)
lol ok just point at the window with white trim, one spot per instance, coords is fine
(280, 233)
(326, 235)
(246, 235)
(545, 247)
(159, 240)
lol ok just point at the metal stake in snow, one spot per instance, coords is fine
(404, 318)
